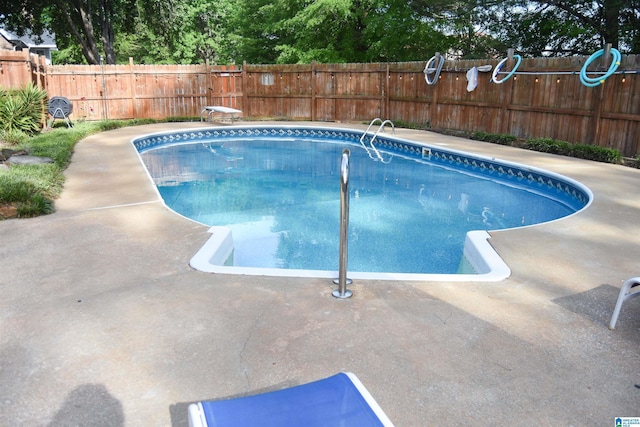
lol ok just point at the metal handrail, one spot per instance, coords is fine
(342, 291)
(372, 146)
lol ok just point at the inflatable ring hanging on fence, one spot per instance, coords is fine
(428, 70)
(494, 77)
(591, 81)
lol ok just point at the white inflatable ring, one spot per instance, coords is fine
(499, 67)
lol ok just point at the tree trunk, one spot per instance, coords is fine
(611, 30)
(81, 28)
(105, 13)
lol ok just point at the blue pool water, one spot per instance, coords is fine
(279, 194)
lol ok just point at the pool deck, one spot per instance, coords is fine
(103, 322)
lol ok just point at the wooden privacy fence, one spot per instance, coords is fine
(17, 68)
(144, 91)
(545, 99)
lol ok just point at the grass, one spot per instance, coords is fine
(31, 189)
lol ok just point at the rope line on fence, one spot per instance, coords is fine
(573, 73)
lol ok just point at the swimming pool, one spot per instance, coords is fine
(275, 195)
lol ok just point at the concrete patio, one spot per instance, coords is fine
(103, 322)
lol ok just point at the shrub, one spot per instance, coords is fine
(548, 145)
(22, 109)
(581, 151)
(495, 138)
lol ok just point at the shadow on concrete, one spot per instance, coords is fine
(89, 405)
(597, 305)
(179, 416)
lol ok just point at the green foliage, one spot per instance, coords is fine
(22, 110)
(33, 188)
(495, 138)
(581, 151)
(562, 28)
(145, 46)
(554, 146)
(12, 137)
(45, 179)
(406, 125)
(299, 31)
(35, 206)
(467, 24)
(57, 144)
(71, 54)
(334, 31)
(30, 188)
(186, 32)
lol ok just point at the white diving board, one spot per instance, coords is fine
(210, 109)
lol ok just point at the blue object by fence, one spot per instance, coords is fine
(340, 400)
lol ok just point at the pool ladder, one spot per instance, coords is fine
(372, 148)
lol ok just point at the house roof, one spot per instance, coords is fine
(29, 40)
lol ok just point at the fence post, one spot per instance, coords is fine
(507, 96)
(41, 75)
(313, 90)
(245, 98)
(386, 107)
(597, 103)
(433, 107)
(208, 80)
(132, 91)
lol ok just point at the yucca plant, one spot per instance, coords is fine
(22, 110)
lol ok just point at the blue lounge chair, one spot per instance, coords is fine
(340, 400)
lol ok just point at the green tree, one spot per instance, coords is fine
(91, 24)
(193, 31)
(467, 24)
(333, 31)
(561, 28)
(300, 31)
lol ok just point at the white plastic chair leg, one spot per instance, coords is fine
(626, 293)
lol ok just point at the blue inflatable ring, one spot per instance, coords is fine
(596, 81)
